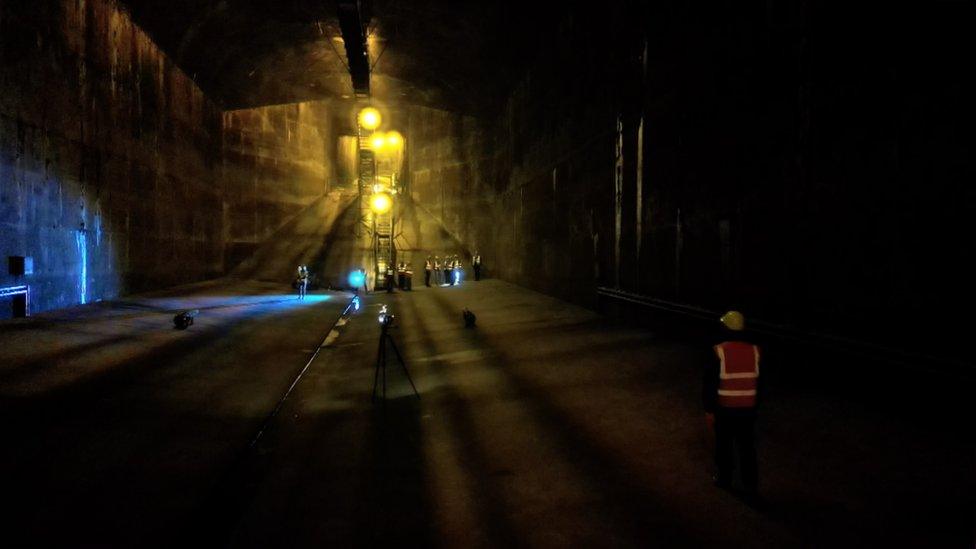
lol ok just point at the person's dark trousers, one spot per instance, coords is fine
(447, 277)
(477, 272)
(400, 283)
(427, 278)
(735, 433)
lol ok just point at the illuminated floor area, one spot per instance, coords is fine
(543, 426)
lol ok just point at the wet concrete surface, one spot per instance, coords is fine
(545, 425)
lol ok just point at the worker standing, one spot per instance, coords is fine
(730, 390)
(448, 267)
(456, 271)
(408, 277)
(437, 270)
(302, 281)
(389, 279)
(428, 266)
(476, 265)
(401, 275)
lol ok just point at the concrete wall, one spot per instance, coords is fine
(803, 163)
(107, 155)
(443, 152)
(531, 190)
(277, 160)
(814, 152)
(118, 175)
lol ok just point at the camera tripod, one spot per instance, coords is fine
(381, 362)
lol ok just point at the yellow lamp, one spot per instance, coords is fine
(394, 139)
(377, 141)
(380, 203)
(369, 118)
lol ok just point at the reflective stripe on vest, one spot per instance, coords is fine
(738, 373)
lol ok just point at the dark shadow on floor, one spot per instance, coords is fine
(394, 508)
(640, 516)
(488, 501)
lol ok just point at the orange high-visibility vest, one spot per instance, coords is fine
(738, 374)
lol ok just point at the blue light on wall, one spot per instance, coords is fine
(81, 239)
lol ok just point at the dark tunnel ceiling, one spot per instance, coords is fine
(456, 55)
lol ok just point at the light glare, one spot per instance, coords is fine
(369, 118)
(377, 141)
(394, 139)
(380, 203)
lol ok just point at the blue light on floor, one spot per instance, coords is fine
(292, 299)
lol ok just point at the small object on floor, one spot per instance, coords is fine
(184, 319)
(469, 318)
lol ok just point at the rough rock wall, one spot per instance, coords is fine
(107, 155)
(277, 160)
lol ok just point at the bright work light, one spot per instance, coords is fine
(380, 203)
(377, 141)
(356, 279)
(369, 118)
(394, 139)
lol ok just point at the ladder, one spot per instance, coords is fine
(367, 178)
(384, 253)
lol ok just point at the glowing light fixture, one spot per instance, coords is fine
(369, 118)
(377, 141)
(380, 203)
(356, 280)
(394, 139)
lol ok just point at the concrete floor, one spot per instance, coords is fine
(544, 426)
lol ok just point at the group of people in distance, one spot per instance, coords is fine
(442, 272)
(448, 271)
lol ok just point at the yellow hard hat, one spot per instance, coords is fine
(734, 321)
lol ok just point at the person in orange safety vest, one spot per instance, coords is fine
(730, 390)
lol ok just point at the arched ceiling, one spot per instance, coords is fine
(456, 55)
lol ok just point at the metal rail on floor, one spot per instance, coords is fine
(866, 349)
(274, 413)
(220, 511)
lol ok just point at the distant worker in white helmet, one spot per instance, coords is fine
(729, 395)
